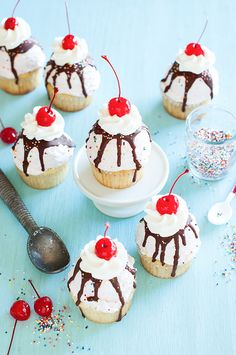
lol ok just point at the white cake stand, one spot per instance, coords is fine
(127, 202)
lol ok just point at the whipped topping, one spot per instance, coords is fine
(100, 268)
(125, 125)
(167, 224)
(63, 56)
(33, 130)
(195, 64)
(13, 38)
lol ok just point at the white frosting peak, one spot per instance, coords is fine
(33, 130)
(125, 125)
(13, 38)
(63, 56)
(167, 224)
(100, 268)
(193, 63)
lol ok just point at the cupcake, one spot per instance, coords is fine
(192, 81)
(167, 236)
(102, 283)
(119, 144)
(42, 149)
(21, 57)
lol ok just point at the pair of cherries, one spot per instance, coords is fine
(20, 310)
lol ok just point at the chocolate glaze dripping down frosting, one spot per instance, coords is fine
(22, 48)
(190, 78)
(106, 138)
(87, 277)
(68, 69)
(41, 145)
(162, 242)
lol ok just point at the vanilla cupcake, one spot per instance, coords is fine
(102, 283)
(42, 150)
(119, 145)
(21, 57)
(192, 81)
(73, 72)
(167, 236)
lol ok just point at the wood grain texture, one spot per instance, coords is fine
(186, 316)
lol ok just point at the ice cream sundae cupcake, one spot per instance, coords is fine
(72, 70)
(191, 81)
(21, 57)
(119, 144)
(102, 283)
(42, 149)
(167, 236)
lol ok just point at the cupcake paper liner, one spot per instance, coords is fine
(47, 179)
(67, 102)
(27, 82)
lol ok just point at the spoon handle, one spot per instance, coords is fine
(11, 198)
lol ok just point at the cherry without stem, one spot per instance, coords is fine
(43, 305)
(169, 204)
(118, 106)
(105, 248)
(45, 116)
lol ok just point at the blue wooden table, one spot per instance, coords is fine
(194, 314)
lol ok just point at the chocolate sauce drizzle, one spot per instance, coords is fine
(106, 138)
(162, 242)
(68, 70)
(190, 78)
(22, 48)
(87, 277)
(41, 145)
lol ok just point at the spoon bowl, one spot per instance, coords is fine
(220, 213)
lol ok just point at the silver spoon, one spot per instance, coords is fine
(45, 248)
(221, 212)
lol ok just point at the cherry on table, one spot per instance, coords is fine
(194, 49)
(105, 248)
(69, 42)
(118, 106)
(168, 204)
(45, 115)
(8, 134)
(43, 305)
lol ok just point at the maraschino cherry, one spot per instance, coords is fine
(20, 311)
(105, 248)
(169, 204)
(11, 22)
(45, 116)
(195, 48)
(69, 41)
(118, 106)
(8, 134)
(43, 305)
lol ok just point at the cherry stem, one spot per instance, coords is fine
(31, 283)
(15, 8)
(54, 95)
(12, 336)
(107, 225)
(67, 16)
(2, 123)
(183, 173)
(203, 31)
(118, 81)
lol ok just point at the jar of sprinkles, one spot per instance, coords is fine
(210, 142)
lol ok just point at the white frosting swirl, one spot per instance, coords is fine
(13, 38)
(33, 130)
(125, 125)
(100, 268)
(195, 64)
(167, 224)
(63, 56)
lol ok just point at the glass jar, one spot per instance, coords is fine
(211, 142)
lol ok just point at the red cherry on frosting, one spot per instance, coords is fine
(69, 42)
(194, 49)
(105, 248)
(20, 310)
(43, 306)
(45, 116)
(10, 23)
(118, 105)
(169, 204)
